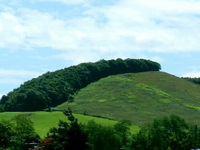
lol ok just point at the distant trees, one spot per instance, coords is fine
(52, 89)
(193, 80)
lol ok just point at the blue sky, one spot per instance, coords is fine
(37, 36)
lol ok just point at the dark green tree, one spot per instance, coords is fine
(167, 133)
(69, 135)
(122, 128)
(6, 134)
(24, 132)
(102, 137)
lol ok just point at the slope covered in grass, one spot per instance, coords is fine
(43, 121)
(139, 97)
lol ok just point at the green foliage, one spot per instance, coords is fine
(102, 137)
(52, 89)
(68, 135)
(165, 133)
(15, 136)
(193, 80)
(6, 134)
(123, 130)
(25, 132)
(91, 136)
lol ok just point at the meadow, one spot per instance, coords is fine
(43, 121)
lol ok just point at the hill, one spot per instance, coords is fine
(54, 88)
(139, 97)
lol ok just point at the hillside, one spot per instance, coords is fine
(54, 88)
(139, 97)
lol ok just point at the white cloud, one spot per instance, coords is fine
(193, 74)
(1, 95)
(121, 29)
(68, 2)
(19, 73)
(16, 77)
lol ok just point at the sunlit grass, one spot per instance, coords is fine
(43, 121)
(139, 97)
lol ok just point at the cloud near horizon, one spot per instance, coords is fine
(16, 76)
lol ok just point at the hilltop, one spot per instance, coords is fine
(54, 88)
(139, 97)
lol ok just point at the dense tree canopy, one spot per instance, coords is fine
(54, 88)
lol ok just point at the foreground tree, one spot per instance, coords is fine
(68, 136)
(25, 132)
(17, 135)
(168, 133)
(6, 134)
(102, 137)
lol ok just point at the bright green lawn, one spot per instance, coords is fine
(43, 121)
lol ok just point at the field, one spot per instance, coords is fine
(139, 97)
(43, 121)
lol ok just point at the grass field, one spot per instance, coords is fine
(139, 97)
(43, 121)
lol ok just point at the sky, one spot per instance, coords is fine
(37, 36)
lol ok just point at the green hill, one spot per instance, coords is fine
(54, 88)
(139, 97)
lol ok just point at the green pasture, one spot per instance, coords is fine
(43, 121)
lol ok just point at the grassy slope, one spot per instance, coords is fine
(139, 97)
(43, 121)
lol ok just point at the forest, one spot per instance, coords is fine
(54, 88)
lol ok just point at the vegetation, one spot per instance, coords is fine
(43, 121)
(164, 133)
(57, 87)
(90, 136)
(193, 80)
(167, 133)
(15, 136)
(139, 97)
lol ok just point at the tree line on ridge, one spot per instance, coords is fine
(54, 88)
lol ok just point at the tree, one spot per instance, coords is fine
(70, 136)
(123, 130)
(102, 137)
(6, 134)
(24, 132)
(165, 133)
